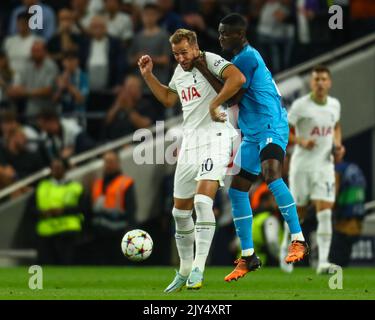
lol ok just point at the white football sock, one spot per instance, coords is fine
(297, 236)
(247, 252)
(184, 239)
(204, 229)
(324, 234)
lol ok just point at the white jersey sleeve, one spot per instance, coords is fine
(172, 83)
(338, 110)
(293, 113)
(216, 64)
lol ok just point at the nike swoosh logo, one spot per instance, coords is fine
(203, 173)
(189, 282)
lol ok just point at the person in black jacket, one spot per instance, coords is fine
(103, 57)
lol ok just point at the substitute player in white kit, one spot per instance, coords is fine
(205, 151)
(315, 118)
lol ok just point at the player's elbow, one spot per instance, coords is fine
(240, 80)
(168, 103)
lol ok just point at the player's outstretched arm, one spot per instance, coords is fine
(160, 91)
(233, 81)
(201, 65)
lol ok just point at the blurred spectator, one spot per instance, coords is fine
(16, 162)
(62, 137)
(65, 39)
(113, 211)
(275, 35)
(36, 81)
(251, 10)
(130, 111)
(57, 5)
(169, 20)
(312, 33)
(18, 46)
(82, 15)
(105, 59)
(57, 207)
(72, 88)
(362, 14)
(49, 19)
(10, 123)
(152, 40)
(206, 23)
(96, 6)
(349, 210)
(6, 77)
(119, 24)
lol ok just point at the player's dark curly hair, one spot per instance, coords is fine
(234, 20)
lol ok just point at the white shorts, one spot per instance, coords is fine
(314, 185)
(207, 162)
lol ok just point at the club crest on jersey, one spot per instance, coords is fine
(322, 131)
(189, 94)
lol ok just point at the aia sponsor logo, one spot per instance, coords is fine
(189, 94)
(321, 131)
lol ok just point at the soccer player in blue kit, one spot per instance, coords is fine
(264, 125)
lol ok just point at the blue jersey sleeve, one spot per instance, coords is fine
(247, 65)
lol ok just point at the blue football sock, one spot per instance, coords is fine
(287, 206)
(242, 217)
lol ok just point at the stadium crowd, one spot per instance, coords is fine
(58, 83)
(75, 84)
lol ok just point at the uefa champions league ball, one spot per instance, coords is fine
(137, 245)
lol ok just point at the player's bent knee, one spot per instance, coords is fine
(243, 180)
(208, 187)
(184, 204)
(323, 205)
(271, 174)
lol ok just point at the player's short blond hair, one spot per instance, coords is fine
(184, 34)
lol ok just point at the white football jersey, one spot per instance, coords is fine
(317, 122)
(195, 95)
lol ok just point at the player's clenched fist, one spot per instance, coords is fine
(145, 64)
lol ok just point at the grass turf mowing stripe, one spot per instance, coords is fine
(149, 282)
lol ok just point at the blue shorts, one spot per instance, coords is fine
(248, 154)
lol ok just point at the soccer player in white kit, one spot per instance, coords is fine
(205, 151)
(315, 118)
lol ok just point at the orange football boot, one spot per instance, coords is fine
(243, 266)
(297, 251)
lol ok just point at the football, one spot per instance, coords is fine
(137, 245)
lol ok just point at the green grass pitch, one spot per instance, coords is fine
(149, 282)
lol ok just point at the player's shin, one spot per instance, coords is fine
(287, 206)
(243, 219)
(324, 234)
(184, 239)
(204, 229)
